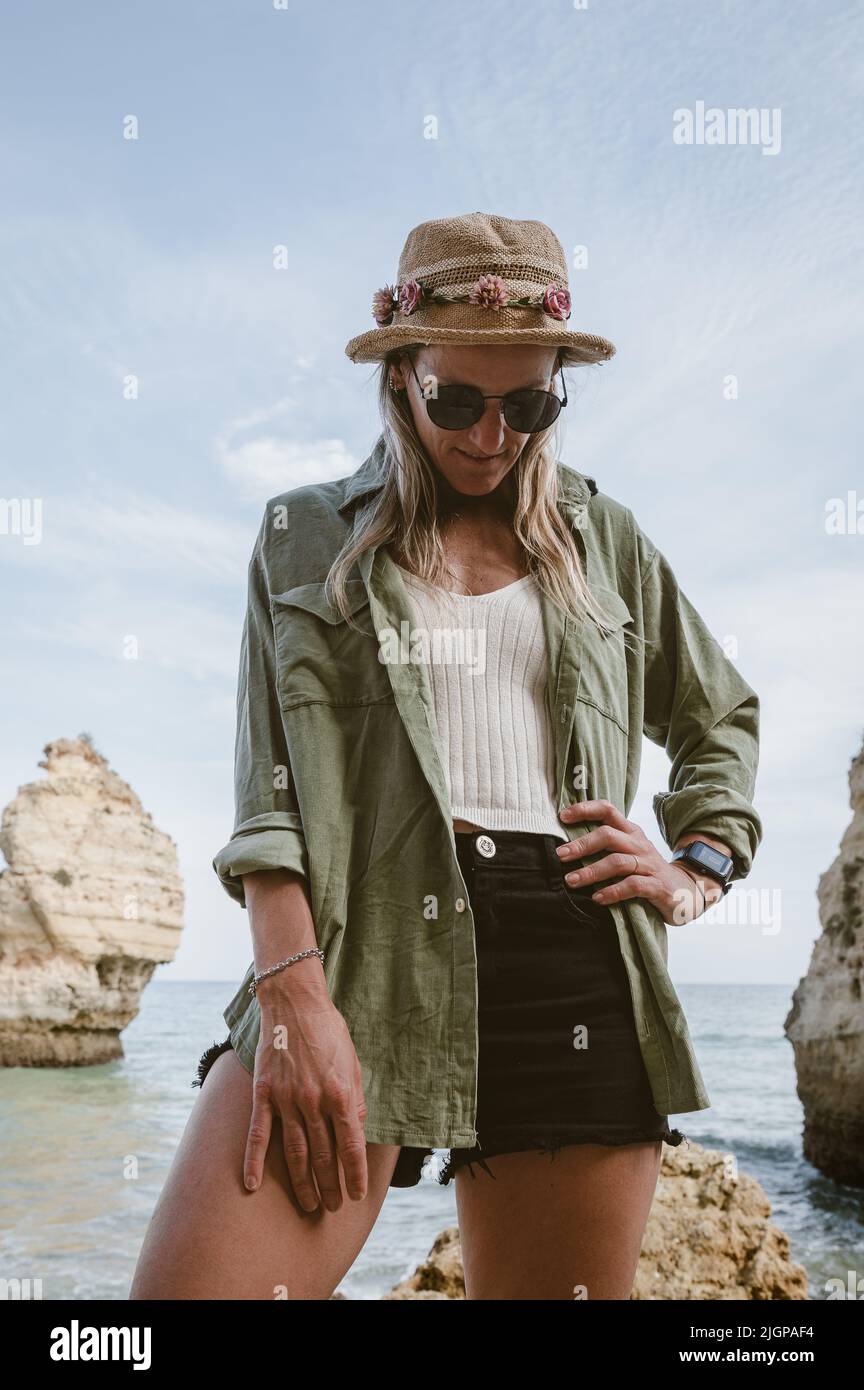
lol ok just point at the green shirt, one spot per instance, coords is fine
(338, 777)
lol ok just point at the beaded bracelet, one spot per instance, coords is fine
(274, 969)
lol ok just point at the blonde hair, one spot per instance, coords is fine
(403, 511)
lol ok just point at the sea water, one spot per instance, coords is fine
(85, 1150)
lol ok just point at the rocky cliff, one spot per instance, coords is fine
(709, 1236)
(90, 903)
(826, 1022)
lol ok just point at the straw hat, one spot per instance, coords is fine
(478, 279)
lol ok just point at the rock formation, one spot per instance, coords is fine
(826, 1022)
(709, 1236)
(90, 903)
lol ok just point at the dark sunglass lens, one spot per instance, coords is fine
(528, 412)
(455, 407)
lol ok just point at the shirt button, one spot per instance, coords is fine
(460, 904)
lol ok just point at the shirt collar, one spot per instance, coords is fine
(575, 489)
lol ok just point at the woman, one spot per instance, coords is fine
(448, 664)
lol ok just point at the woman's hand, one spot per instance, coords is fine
(641, 869)
(308, 1074)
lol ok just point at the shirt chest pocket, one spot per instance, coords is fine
(322, 659)
(603, 677)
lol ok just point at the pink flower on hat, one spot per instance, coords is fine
(556, 301)
(490, 291)
(383, 303)
(410, 296)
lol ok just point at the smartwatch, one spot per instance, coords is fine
(708, 861)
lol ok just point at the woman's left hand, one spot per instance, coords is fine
(646, 873)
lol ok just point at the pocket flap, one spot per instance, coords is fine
(312, 597)
(615, 610)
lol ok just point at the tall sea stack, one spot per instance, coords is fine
(826, 1022)
(90, 903)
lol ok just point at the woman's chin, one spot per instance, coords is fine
(473, 476)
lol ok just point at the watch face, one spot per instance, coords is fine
(713, 858)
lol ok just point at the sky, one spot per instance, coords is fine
(726, 273)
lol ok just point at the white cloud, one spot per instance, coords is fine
(267, 463)
(266, 466)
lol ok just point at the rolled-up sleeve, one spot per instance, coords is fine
(702, 711)
(268, 830)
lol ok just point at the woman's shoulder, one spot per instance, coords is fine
(333, 498)
(298, 504)
(302, 531)
(590, 505)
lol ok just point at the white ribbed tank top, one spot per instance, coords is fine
(488, 675)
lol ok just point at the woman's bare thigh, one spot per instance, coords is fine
(562, 1226)
(209, 1238)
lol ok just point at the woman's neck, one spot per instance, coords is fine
(492, 510)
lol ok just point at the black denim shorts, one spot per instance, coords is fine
(559, 1059)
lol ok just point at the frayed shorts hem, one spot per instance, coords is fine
(411, 1164)
(209, 1057)
(466, 1158)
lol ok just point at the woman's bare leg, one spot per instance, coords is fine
(209, 1238)
(557, 1227)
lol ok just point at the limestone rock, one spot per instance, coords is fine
(90, 903)
(440, 1275)
(826, 1022)
(709, 1236)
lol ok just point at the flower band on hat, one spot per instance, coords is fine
(453, 270)
(489, 291)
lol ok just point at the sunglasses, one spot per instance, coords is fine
(525, 411)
